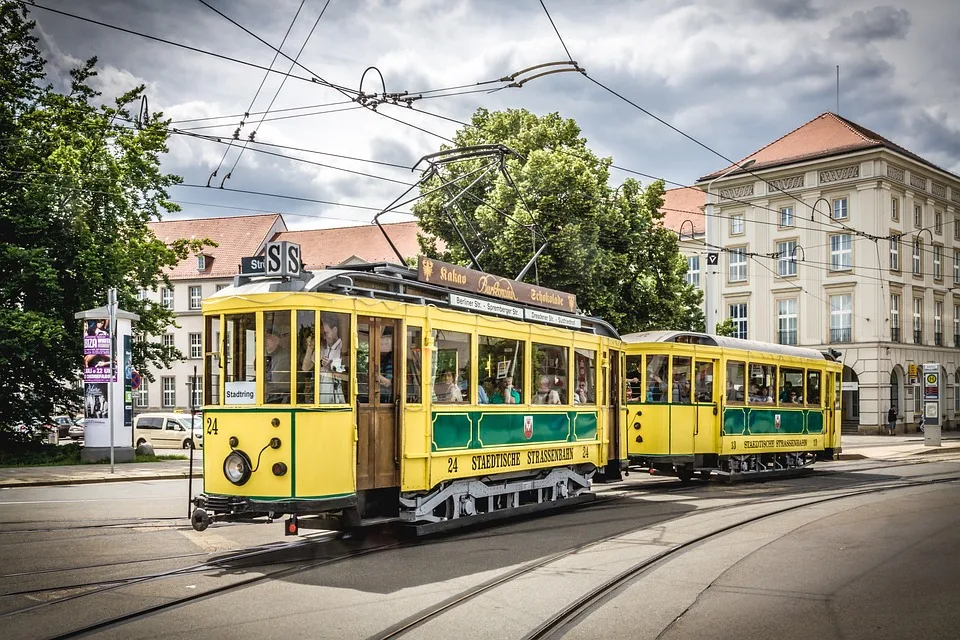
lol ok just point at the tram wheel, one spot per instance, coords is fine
(685, 474)
(704, 474)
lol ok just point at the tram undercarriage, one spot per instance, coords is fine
(731, 467)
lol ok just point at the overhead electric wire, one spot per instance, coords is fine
(352, 107)
(287, 197)
(262, 80)
(257, 113)
(557, 31)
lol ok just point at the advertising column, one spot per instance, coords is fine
(106, 389)
(931, 404)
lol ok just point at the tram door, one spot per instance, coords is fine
(615, 416)
(377, 402)
(683, 411)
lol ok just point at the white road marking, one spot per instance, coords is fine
(207, 540)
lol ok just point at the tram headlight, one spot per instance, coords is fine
(237, 468)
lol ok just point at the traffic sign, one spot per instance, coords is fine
(713, 258)
(135, 381)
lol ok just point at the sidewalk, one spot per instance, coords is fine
(87, 473)
(854, 448)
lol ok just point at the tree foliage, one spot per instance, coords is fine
(80, 183)
(607, 246)
(726, 328)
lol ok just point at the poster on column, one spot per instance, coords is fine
(127, 381)
(96, 351)
(95, 408)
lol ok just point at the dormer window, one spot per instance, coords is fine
(201, 262)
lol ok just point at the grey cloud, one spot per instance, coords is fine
(788, 9)
(879, 23)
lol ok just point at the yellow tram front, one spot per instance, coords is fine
(366, 396)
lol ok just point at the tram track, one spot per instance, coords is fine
(584, 605)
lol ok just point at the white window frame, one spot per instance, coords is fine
(938, 317)
(196, 346)
(938, 222)
(737, 265)
(917, 216)
(841, 315)
(196, 392)
(739, 313)
(895, 253)
(693, 271)
(169, 396)
(895, 208)
(841, 257)
(168, 340)
(787, 258)
(143, 394)
(737, 224)
(788, 320)
(841, 209)
(787, 219)
(201, 262)
(894, 310)
(917, 257)
(956, 266)
(956, 228)
(195, 297)
(938, 262)
(221, 287)
(918, 314)
(956, 322)
(166, 297)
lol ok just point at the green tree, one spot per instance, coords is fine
(80, 183)
(726, 328)
(609, 247)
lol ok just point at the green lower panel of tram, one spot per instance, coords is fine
(748, 430)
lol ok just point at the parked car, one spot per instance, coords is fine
(168, 430)
(76, 430)
(63, 424)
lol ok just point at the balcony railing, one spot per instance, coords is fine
(841, 335)
(787, 337)
(938, 339)
(918, 336)
(895, 334)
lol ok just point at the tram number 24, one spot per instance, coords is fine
(452, 466)
(211, 426)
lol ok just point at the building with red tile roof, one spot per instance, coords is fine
(320, 248)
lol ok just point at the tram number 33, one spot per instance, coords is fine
(211, 426)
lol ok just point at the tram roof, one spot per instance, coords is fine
(386, 281)
(692, 337)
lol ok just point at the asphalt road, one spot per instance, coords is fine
(832, 571)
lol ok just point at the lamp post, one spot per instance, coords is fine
(711, 288)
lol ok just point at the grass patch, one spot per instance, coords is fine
(44, 455)
(145, 458)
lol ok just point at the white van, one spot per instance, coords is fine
(168, 430)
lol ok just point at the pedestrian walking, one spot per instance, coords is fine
(892, 420)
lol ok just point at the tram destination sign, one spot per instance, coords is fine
(469, 280)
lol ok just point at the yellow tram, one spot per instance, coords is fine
(382, 391)
(712, 404)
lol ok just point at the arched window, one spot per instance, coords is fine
(956, 390)
(894, 389)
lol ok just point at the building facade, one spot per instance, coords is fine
(178, 387)
(837, 238)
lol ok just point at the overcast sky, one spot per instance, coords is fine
(734, 74)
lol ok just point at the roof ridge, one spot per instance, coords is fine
(858, 129)
(766, 146)
(252, 215)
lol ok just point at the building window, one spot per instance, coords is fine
(201, 262)
(918, 320)
(738, 265)
(956, 228)
(917, 215)
(786, 217)
(938, 323)
(895, 317)
(693, 271)
(894, 208)
(736, 224)
(937, 262)
(938, 223)
(196, 392)
(141, 294)
(195, 298)
(956, 266)
(196, 345)
(221, 287)
(895, 253)
(166, 297)
(841, 318)
(918, 257)
(841, 252)
(956, 325)
(142, 394)
(169, 391)
(738, 314)
(840, 211)
(787, 321)
(787, 258)
(167, 340)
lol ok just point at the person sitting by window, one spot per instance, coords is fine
(546, 395)
(505, 393)
(785, 394)
(446, 391)
(793, 398)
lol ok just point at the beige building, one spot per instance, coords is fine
(841, 239)
(200, 276)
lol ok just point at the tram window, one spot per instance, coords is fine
(306, 357)
(211, 352)
(837, 387)
(334, 358)
(736, 372)
(704, 382)
(656, 386)
(813, 388)
(763, 384)
(363, 361)
(791, 386)
(451, 367)
(585, 375)
(634, 382)
(414, 364)
(549, 382)
(680, 387)
(276, 357)
(500, 370)
(240, 358)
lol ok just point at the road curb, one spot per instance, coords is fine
(54, 483)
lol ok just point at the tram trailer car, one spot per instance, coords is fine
(703, 404)
(362, 393)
